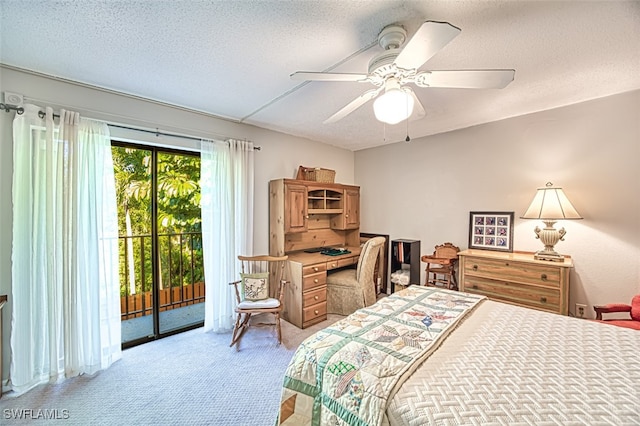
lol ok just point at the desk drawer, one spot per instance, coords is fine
(314, 280)
(348, 261)
(342, 262)
(312, 269)
(332, 264)
(314, 296)
(314, 312)
(508, 270)
(547, 299)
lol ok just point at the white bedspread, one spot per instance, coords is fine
(511, 365)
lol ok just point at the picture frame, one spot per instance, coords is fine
(491, 231)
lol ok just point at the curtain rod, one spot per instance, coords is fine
(7, 108)
(159, 133)
(19, 110)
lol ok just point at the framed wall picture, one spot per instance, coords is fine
(491, 231)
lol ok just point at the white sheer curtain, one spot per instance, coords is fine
(226, 183)
(65, 289)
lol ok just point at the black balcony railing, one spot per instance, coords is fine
(181, 272)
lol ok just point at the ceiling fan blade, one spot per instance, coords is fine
(418, 109)
(353, 105)
(465, 79)
(327, 76)
(426, 42)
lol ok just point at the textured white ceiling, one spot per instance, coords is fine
(233, 58)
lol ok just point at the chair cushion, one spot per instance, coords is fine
(254, 286)
(346, 277)
(635, 308)
(259, 304)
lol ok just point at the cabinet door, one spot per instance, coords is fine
(350, 216)
(351, 208)
(295, 208)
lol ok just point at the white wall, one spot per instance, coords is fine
(426, 188)
(279, 157)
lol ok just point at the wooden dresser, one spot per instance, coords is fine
(517, 278)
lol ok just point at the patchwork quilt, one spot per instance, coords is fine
(346, 373)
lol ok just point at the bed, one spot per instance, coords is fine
(430, 356)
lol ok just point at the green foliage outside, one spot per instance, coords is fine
(179, 222)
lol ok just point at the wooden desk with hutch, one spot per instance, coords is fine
(517, 278)
(305, 215)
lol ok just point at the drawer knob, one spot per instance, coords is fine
(474, 286)
(316, 297)
(475, 267)
(543, 299)
(315, 268)
(346, 215)
(315, 312)
(543, 277)
(315, 281)
(333, 265)
(506, 264)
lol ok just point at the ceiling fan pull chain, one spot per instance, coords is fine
(408, 139)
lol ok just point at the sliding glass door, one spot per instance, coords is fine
(161, 266)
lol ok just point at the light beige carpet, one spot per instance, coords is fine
(192, 378)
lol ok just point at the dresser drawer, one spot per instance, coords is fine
(312, 269)
(544, 298)
(508, 270)
(314, 312)
(314, 296)
(314, 280)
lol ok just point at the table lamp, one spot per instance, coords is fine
(550, 204)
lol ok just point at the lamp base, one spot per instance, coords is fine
(546, 255)
(549, 237)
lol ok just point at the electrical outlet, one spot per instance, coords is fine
(581, 310)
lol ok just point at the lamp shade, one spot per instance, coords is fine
(550, 203)
(393, 106)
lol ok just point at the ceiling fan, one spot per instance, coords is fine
(391, 71)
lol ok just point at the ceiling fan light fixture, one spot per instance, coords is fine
(398, 65)
(394, 106)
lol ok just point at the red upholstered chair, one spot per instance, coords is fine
(633, 309)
